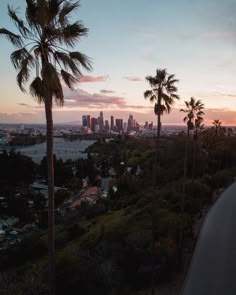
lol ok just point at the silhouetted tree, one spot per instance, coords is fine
(163, 92)
(41, 44)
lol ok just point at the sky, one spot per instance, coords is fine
(127, 41)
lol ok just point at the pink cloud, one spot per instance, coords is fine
(92, 79)
(39, 106)
(23, 117)
(106, 91)
(81, 98)
(134, 79)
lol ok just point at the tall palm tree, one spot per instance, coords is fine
(43, 41)
(199, 126)
(163, 92)
(194, 113)
(217, 124)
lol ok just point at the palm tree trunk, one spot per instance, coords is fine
(50, 167)
(181, 232)
(159, 114)
(158, 123)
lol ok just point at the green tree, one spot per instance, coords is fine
(42, 41)
(163, 92)
(194, 113)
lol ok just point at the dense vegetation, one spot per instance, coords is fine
(142, 233)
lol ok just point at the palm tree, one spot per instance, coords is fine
(163, 92)
(43, 41)
(199, 126)
(194, 118)
(217, 124)
(194, 113)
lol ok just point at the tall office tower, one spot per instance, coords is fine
(125, 127)
(119, 124)
(84, 121)
(101, 122)
(106, 127)
(88, 121)
(94, 122)
(146, 125)
(112, 122)
(130, 122)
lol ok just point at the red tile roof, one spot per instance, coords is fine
(90, 195)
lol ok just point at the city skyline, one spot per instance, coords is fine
(196, 42)
(100, 124)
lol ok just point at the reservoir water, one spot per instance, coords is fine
(62, 149)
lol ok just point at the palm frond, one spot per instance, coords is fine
(67, 8)
(200, 113)
(18, 56)
(54, 9)
(18, 22)
(82, 59)
(175, 96)
(183, 110)
(31, 12)
(168, 107)
(161, 74)
(16, 40)
(49, 75)
(152, 81)
(168, 102)
(68, 79)
(171, 89)
(170, 77)
(148, 94)
(185, 118)
(168, 99)
(171, 81)
(23, 75)
(52, 82)
(71, 34)
(37, 90)
(67, 61)
(52, 33)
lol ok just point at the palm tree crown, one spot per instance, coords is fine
(163, 92)
(217, 124)
(41, 43)
(194, 113)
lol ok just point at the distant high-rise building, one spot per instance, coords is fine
(112, 122)
(84, 121)
(119, 124)
(106, 127)
(88, 121)
(125, 127)
(130, 122)
(94, 123)
(101, 122)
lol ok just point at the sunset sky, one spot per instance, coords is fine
(128, 40)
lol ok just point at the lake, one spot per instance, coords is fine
(62, 149)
